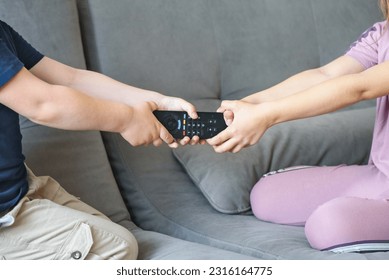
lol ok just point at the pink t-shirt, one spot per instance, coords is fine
(370, 49)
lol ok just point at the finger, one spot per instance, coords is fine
(220, 138)
(220, 110)
(227, 146)
(166, 136)
(184, 141)
(237, 149)
(190, 109)
(173, 145)
(157, 142)
(228, 117)
(195, 140)
(228, 105)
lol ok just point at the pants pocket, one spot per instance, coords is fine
(78, 243)
(72, 242)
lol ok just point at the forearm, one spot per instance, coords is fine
(91, 83)
(343, 65)
(317, 100)
(101, 86)
(62, 107)
(69, 109)
(289, 87)
(332, 95)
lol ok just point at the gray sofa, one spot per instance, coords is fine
(191, 203)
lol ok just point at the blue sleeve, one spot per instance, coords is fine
(27, 54)
(15, 53)
(10, 65)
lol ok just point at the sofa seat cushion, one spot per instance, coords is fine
(157, 246)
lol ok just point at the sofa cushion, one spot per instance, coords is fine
(226, 179)
(156, 246)
(263, 42)
(50, 26)
(168, 45)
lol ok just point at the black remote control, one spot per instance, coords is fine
(180, 124)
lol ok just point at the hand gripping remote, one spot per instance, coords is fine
(180, 124)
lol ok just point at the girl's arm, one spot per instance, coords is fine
(338, 67)
(251, 120)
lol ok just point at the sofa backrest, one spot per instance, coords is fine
(51, 26)
(221, 48)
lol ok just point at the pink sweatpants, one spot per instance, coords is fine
(338, 205)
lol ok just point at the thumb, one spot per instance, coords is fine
(229, 105)
(190, 109)
(228, 117)
(167, 137)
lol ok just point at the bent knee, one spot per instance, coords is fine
(278, 197)
(126, 246)
(113, 242)
(334, 223)
(269, 202)
(261, 201)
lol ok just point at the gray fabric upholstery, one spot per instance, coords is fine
(156, 246)
(263, 42)
(51, 26)
(220, 48)
(180, 47)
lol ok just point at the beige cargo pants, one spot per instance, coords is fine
(49, 223)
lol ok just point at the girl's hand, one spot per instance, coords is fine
(246, 122)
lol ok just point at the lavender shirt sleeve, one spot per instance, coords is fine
(365, 49)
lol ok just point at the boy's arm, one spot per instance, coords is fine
(67, 108)
(102, 86)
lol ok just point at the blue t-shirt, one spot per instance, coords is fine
(15, 53)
